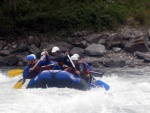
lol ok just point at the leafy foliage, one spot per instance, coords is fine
(43, 16)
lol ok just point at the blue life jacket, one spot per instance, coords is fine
(88, 66)
(54, 67)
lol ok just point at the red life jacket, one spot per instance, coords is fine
(80, 67)
(83, 71)
(35, 72)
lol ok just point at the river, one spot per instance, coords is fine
(129, 93)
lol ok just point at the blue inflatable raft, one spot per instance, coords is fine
(62, 79)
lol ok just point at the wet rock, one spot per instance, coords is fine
(4, 52)
(3, 62)
(22, 47)
(137, 44)
(11, 60)
(145, 56)
(33, 49)
(102, 41)
(96, 64)
(114, 40)
(34, 40)
(92, 38)
(1, 45)
(114, 62)
(95, 50)
(84, 43)
(20, 63)
(77, 50)
(116, 49)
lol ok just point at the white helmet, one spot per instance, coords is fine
(34, 56)
(77, 55)
(74, 57)
(42, 53)
(54, 49)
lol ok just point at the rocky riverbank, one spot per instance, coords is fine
(126, 47)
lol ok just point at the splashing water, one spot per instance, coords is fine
(129, 93)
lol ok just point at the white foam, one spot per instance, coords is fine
(126, 95)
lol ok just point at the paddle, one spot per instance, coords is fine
(20, 83)
(14, 72)
(82, 80)
(101, 84)
(97, 73)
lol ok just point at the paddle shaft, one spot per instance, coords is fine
(95, 72)
(73, 65)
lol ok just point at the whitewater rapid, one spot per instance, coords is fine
(129, 93)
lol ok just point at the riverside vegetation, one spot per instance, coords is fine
(62, 17)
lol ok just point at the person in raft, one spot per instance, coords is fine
(81, 69)
(51, 66)
(80, 60)
(59, 58)
(30, 71)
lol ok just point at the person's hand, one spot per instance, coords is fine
(65, 66)
(46, 53)
(67, 52)
(56, 63)
(31, 69)
(65, 69)
(77, 72)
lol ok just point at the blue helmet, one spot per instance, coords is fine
(30, 57)
(33, 56)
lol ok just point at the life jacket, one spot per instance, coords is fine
(83, 69)
(59, 58)
(35, 72)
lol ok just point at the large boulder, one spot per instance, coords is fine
(114, 63)
(95, 50)
(114, 40)
(22, 47)
(77, 50)
(4, 52)
(9, 60)
(92, 38)
(33, 49)
(138, 43)
(34, 40)
(145, 56)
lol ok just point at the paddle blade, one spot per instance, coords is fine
(102, 84)
(14, 72)
(84, 85)
(19, 84)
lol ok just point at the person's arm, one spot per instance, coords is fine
(67, 61)
(44, 62)
(81, 67)
(72, 70)
(88, 66)
(26, 72)
(69, 69)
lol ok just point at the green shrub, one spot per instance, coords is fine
(54, 16)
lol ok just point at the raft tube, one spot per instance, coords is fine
(62, 79)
